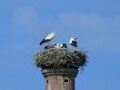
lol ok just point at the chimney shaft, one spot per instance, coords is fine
(60, 79)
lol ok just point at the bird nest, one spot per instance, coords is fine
(60, 58)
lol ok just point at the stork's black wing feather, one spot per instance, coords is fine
(44, 41)
(74, 43)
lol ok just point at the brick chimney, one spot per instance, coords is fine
(60, 67)
(60, 79)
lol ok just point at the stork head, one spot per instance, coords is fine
(73, 38)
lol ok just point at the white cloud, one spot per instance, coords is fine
(26, 17)
(89, 21)
(96, 32)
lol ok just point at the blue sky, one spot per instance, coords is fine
(23, 23)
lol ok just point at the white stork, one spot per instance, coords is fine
(62, 45)
(57, 45)
(73, 41)
(48, 38)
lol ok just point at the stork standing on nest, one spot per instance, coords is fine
(73, 42)
(48, 38)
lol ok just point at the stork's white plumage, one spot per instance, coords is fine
(57, 45)
(73, 41)
(62, 45)
(48, 38)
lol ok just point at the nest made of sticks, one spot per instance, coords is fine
(60, 58)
